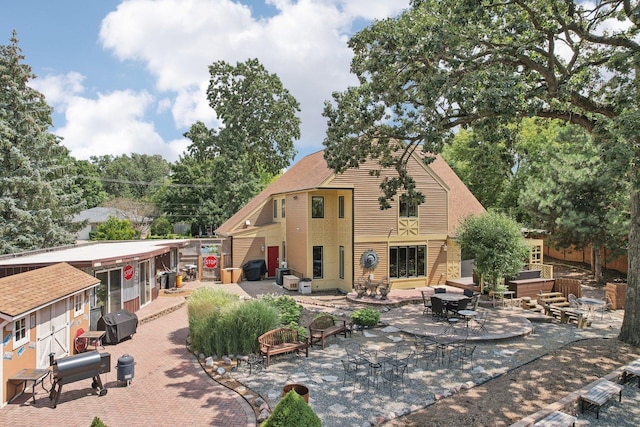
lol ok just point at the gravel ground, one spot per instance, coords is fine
(426, 382)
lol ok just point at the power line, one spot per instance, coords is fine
(148, 183)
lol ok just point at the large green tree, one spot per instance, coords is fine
(37, 194)
(578, 198)
(448, 63)
(224, 168)
(137, 176)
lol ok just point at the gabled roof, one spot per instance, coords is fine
(99, 214)
(25, 292)
(462, 202)
(312, 172)
(309, 173)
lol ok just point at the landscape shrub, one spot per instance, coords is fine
(292, 410)
(365, 317)
(220, 323)
(288, 309)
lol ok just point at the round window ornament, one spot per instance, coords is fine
(369, 259)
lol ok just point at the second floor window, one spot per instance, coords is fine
(408, 210)
(282, 209)
(340, 206)
(275, 209)
(317, 207)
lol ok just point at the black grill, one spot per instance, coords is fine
(79, 367)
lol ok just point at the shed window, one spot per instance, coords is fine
(20, 332)
(78, 304)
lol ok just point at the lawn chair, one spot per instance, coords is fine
(394, 377)
(426, 300)
(351, 371)
(463, 351)
(460, 305)
(605, 309)
(425, 348)
(438, 312)
(440, 291)
(480, 321)
(468, 293)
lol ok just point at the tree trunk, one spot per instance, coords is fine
(596, 260)
(630, 331)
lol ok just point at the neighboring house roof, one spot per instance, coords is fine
(99, 215)
(312, 172)
(34, 289)
(94, 254)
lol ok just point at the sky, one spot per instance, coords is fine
(131, 76)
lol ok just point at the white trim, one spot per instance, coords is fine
(78, 312)
(25, 339)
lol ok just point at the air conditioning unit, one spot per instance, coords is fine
(290, 282)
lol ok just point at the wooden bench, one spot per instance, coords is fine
(599, 394)
(567, 315)
(632, 369)
(281, 340)
(557, 419)
(325, 326)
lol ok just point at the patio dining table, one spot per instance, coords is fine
(450, 299)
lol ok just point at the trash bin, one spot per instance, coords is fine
(118, 326)
(125, 368)
(171, 281)
(304, 286)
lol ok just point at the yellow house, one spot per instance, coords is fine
(329, 228)
(40, 313)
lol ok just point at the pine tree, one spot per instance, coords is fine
(37, 200)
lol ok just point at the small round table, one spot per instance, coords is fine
(467, 314)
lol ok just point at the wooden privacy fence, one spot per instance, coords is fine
(568, 286)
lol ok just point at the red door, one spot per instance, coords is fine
(273, 256)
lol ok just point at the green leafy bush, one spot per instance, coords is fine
(288, 309)
(365, 317)
(292, 410)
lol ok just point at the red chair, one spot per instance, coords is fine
(80, 344)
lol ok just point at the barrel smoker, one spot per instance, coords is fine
(79, 367)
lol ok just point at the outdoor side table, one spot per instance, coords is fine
(36, 376)
(467, 315)
(94, 338)
(504, 295)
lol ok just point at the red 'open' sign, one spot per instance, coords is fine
(211, 262)
(128, 272)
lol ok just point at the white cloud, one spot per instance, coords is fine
(111, 124)
(304, 43)
(59, 88)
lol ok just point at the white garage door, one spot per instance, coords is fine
(53, 333)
